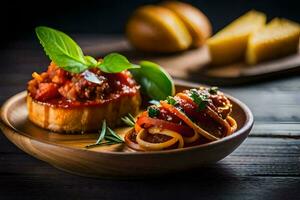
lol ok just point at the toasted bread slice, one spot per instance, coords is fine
(81, 118)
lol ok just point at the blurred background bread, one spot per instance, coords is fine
(168, 27)
(157, 29)
(194, 20)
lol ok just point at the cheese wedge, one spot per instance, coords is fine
(229, 44)
(279, 38)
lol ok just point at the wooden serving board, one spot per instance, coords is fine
(193, 65)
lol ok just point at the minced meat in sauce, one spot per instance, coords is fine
(64, 89)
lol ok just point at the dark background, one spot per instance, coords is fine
(18, 18)
(265, 166)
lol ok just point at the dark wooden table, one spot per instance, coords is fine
(265, 166)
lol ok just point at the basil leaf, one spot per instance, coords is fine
(114, 63)
(154, 80)
(91, 62)
(66, 53)
(62, 49)
(74, 68)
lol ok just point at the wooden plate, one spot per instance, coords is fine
(193, 65)
(68, 152)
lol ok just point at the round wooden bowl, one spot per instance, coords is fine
(68, 152)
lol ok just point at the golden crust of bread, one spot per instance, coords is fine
(157, 29)
(196, 22)
(168, 27)
(83, 118)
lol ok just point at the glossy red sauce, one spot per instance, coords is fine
(168, 116)
(60, 88)
(200, 117)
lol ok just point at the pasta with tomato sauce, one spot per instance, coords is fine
(191, 117)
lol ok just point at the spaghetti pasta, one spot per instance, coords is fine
(191, 117)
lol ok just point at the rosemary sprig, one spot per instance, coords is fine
(128, 120)
(102, 133)
(98, 144)
(107, 137)
(111, 136)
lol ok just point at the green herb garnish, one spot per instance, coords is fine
(200, 99)
(107, 137)
(129, 120)
(112, 136)
(171, 100)
(62, 50)
(153, 111)
(213, 90)
(114, 63)
(66, 53)
(154, 80)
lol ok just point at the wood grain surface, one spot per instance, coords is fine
(265, 166)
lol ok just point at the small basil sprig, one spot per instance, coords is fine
(67, 54)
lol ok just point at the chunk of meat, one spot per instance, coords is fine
(46, 91)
